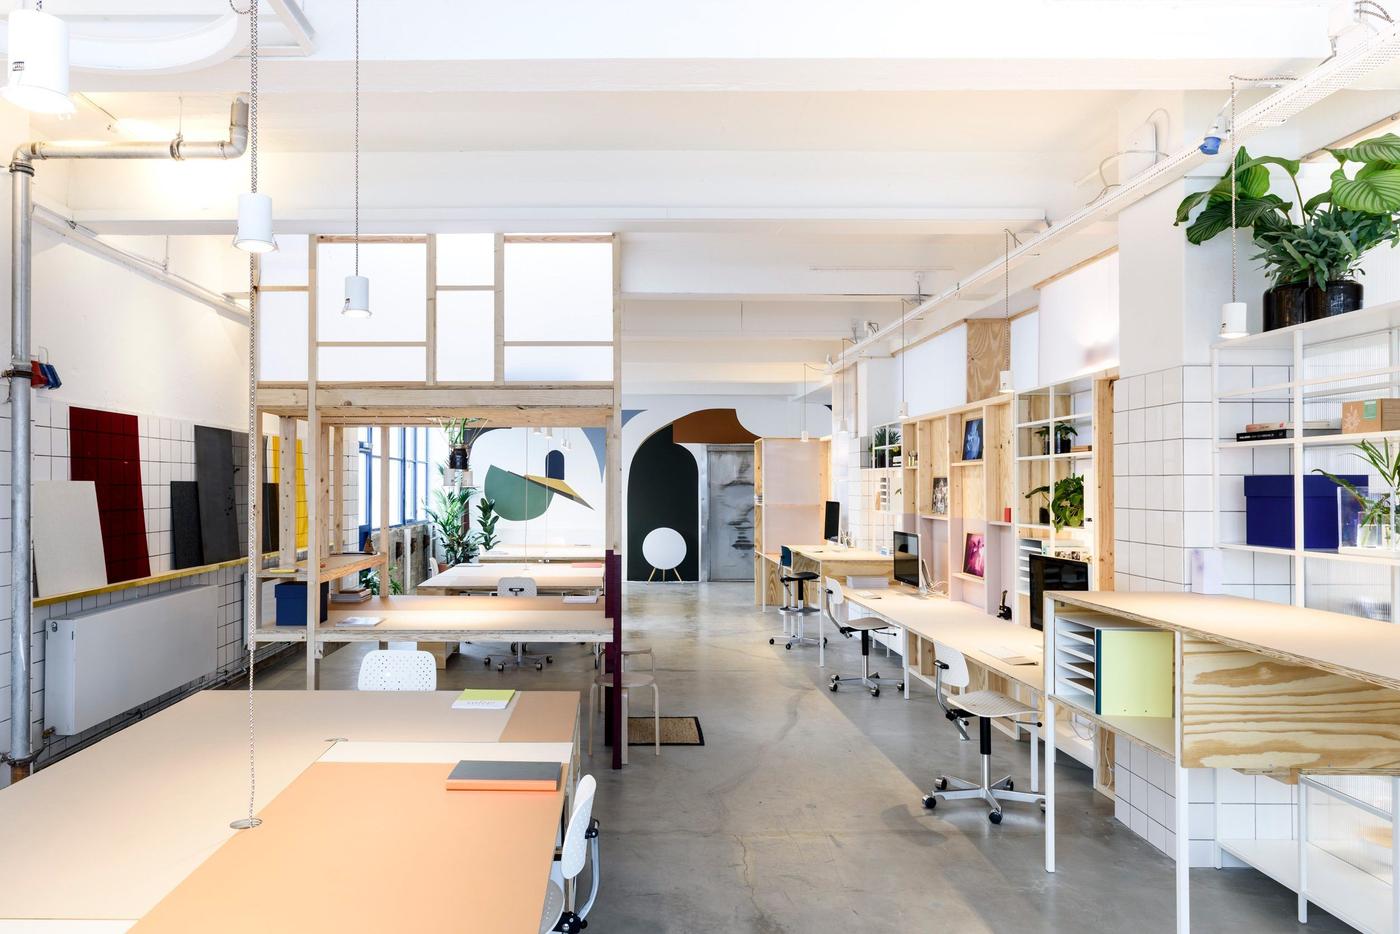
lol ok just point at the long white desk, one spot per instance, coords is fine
(486, 578)
(113, 830)
(541, 554)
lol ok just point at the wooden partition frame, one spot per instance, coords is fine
(331, 409)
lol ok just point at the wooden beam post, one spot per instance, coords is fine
(287, 490)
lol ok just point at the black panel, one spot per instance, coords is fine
(218, 513)
(187, 545)
(663, 491)
(240, 490)
(271, 516)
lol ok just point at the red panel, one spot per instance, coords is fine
(105, 448)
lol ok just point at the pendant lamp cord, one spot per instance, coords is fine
(357, 137)
(250, 596)
(1234, 179)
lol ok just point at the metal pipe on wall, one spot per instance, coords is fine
(21, 754)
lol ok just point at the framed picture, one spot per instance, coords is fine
(975, 555)
(940, 496)
(972, 439)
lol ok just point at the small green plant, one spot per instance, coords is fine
(369, 579)
(1385, 461)
(1065, 435)
(1066, 501)
(487, 517)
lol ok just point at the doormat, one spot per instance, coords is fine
(675, 731)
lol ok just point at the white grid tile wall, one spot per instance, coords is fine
(166, 448)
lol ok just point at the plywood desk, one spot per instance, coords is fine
(542, 554)
(828, 560)
(112, 830)
(485, 578)
(1256, 686)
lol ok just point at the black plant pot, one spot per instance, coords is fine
(1341, 296)
(457, 459)
(1044, 516)
(1063, 444)
(1286, 305)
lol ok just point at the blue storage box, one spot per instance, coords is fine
(1268, 504)
(291, 602)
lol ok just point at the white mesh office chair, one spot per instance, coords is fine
(864, 625)
(950, 670)
(518, 587)
(396, 670)
(580, 843)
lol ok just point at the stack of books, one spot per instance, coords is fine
(358, 595)
(1272, 431)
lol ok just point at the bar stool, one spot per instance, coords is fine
(630, 680)
(793, 612)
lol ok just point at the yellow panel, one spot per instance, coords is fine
(300, 484)
(1134, 673)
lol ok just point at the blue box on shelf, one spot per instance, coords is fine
(1268, 505)
(291, 602)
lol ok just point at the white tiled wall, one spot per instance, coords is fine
(167, 453)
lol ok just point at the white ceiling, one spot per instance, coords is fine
(780, 169)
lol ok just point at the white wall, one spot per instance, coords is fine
(1077, 324)
(937, 373)
(124, 343)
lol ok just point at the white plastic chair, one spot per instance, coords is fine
(664, 550)
(397, 670)
(580, 843)
(518, 587)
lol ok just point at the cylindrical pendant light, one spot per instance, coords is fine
(357, 286)
(38, 62)
(254, 223)
(254, 209)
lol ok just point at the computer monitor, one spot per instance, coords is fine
(906, 558)
(831, 525)
(1049, 573)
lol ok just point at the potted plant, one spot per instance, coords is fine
(461, 435)
(1366, 521)
(1065, 434)
(452, 523)
(1066, 502)
(487, 517)
(1311, 249)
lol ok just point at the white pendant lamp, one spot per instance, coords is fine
(356, 285)
(254, 223)
(254, 233)
(38, 61)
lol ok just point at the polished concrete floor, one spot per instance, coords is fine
(801, 813)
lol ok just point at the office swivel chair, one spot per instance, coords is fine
(796, 633)
(864, 625)
(518, 587)
(950, 670)
(580, 846)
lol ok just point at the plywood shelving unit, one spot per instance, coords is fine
(976, 500)
(790, 483)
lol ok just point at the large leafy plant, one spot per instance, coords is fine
(452, 521)
(1332, 231)
(487, 517)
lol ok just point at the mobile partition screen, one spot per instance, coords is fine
(906, 558)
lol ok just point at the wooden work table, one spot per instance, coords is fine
(485, 578)
(113, 830)
(1254, 686)
(419, 618)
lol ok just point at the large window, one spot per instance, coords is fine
(410, 480)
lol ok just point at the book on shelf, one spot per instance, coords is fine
(1275, 434)
(358, 595)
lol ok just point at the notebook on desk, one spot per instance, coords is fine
(482, 700)
(476, 775)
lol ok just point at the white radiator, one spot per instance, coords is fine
(104, 662)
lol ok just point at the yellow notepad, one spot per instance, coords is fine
(482, 700)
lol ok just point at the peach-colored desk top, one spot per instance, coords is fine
(386, 848)
(110, 831)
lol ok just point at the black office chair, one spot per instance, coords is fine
(864, 625)
(796, 635)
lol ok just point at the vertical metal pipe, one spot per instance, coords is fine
(20, 605)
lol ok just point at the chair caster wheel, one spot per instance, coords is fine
(487, 663)
(930, 802)
(788, 646)
(874, 692)
(994, 817)
(1042, 807)
(823, 640)
(899, 686)
(772, 641)
(1010, 786)
(539, 666)
(549, 658)
(834, 686)
(941, 784)
(501, 667)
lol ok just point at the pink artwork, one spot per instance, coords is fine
(974, 555)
